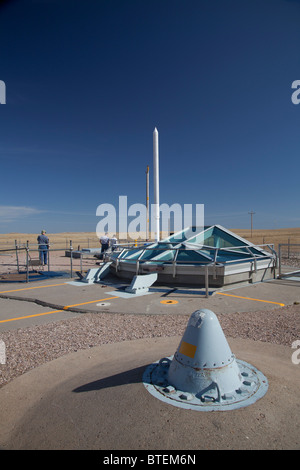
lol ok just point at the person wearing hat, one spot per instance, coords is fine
(43, 242)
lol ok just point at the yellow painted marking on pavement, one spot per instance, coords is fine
(169, 301)
(188, 349)
(28, 288)
(55, 311)
(90, 302)
(249, 298)
(30, 316)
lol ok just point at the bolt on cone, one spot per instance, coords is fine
(203, 362)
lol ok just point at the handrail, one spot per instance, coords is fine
(212, 262)
(174, 262)
(117, 255)
(203, 247)
(27, 250)
(12, 249)
(253, 258)
(280, 245)
(201, 262)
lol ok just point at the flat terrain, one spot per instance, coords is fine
(85, 239)
(75, 355)
(59, 242)
(284, 235)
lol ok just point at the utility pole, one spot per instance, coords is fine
(251, 213)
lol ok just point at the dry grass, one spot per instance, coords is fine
(283, 235)
(57, 240)
(85, 239)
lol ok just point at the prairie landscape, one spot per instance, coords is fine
(60, 242)
(90, 239)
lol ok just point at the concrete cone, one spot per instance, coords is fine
(203, 363)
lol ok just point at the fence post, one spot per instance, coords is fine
(279, 256)
(27, 261)
(206, 281)
(16, 245)
(48, 260)
(71, 257)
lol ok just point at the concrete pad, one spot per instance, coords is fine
(20, 314)
(128, 295)
(276, 290)
(95, 399)
(80, 298)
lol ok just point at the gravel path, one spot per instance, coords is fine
(28, 348)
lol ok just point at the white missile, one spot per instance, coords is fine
(156, 184)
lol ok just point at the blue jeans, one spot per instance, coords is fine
(43, 253)
(104, 247)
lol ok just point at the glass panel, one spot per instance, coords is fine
(190, 255)
(227, 255)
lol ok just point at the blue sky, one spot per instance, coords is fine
(88, 81)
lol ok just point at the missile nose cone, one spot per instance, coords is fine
(211, 347)
(203, 374)
(203, 356)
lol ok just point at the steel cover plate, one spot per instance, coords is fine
(254, 387)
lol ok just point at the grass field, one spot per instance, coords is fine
(89, 239)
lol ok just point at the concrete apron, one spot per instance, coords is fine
(95, 399)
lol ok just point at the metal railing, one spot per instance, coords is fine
(144, 249)
(27, 256)
(210, 263)
(289, 255)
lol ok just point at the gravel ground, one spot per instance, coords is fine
(28, 348)
(293, 261)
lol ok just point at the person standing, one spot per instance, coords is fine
(43, 242)
(113, 243)
(104, 240)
